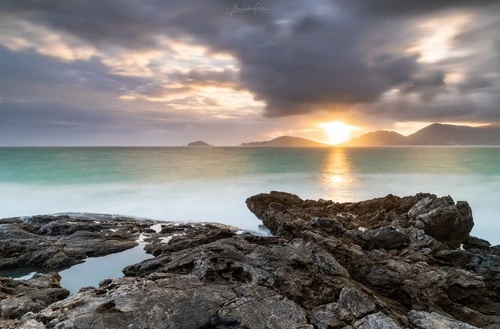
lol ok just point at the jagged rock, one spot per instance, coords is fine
(57, 241)
(18, 297)
(31, 324)
(426, 320)
(356, 302)
(378, 264)
(440, 218)
(301, 271)
(487, 265)
(477, 246)
(181, 301)
(388, 237)
(455, 257)
(376, 321)
(414, 236)
(474, 242)
(444, 220)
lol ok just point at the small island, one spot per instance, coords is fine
(199, 144)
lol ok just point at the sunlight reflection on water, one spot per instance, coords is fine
(338, 177)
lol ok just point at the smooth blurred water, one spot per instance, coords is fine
(211, 184)
(96, 269)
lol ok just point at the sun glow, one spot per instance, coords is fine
(337, 132)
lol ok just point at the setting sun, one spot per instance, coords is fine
(337, 132)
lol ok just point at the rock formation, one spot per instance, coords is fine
(54, 242)
(385, 263)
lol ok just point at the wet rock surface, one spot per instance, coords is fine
(57, 241)
(384, 263)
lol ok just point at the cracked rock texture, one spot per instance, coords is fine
(58, 241)
(386, 263)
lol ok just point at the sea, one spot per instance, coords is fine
(192, 184)
(196, 184)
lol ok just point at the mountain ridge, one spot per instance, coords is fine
(433, 134)
(379, 137)
(286, 141)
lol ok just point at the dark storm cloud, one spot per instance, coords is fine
(476, 84)
(115, 22)
(432, 79)
(427, 85)
(298, 57)
(456, 109)
(20, 70)
(25, 114)
(294, 67)
(398, 7)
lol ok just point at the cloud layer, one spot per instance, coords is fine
(171, 63)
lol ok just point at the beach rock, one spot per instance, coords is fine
(387, 237)
(377, 264)
(444, 220)
(376, 321)
(478, 246)
(356, 302)
(58, 241)
(440, 218)
(426, 320)
(18, 297)
(404, 249)
(179, 301)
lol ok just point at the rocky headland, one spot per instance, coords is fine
(392, 262)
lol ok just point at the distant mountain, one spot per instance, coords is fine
(199, 144)
(434, 134)
(380, 137)
(443, 134)
(285, 141)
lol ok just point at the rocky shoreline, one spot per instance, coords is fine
(390, 262)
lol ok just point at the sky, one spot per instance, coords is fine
(169, 72)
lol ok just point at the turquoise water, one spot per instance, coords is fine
(90, 272)
(211, 184)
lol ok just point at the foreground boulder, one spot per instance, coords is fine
(385, 263)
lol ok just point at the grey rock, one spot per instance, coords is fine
(456, 257)
(376, 321)
(356, 302)
(487, 265)
(153, 304)
(18, 297)
(58, 241)
(444, 220)
(389, 237)
(329, 316)
(426, 273)
(328, 265)
(31, 324)
(474, 242)
(426, 320)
